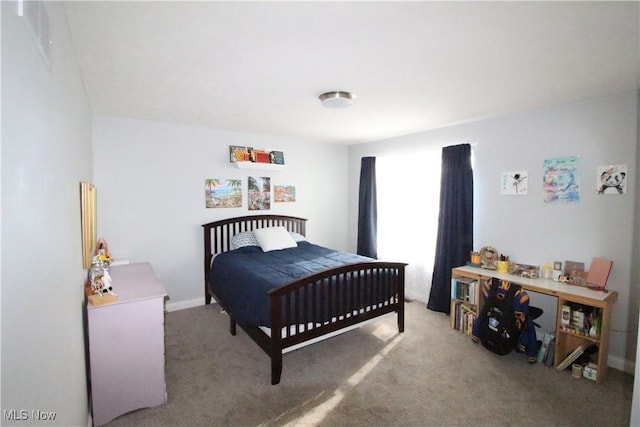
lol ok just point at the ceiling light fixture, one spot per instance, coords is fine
(337, 99)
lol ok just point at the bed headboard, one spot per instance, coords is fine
(218, 234)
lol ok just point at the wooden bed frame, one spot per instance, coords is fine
(380, 278)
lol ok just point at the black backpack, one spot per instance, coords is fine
(496, 327)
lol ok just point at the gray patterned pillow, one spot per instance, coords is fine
(246, 238)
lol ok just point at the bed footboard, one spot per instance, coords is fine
(331, 300)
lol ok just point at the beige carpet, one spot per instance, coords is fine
(428, 376)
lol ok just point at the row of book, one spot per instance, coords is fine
(464, 289)
(581, 320)
(463, 317)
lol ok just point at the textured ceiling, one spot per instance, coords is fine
(258, 67)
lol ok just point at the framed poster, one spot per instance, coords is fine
(514, 183)
(612, 179)
(561, 181)
(223, 193)
(284, 193)
(259, 193)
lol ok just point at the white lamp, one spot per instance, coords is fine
(337, 99)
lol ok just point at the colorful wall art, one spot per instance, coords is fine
(223, 193)
(561, 180)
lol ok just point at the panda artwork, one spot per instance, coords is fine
(612, 179)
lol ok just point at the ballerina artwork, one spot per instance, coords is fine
(514, 183)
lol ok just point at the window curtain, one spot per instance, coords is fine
(455, 223)
(367, 209)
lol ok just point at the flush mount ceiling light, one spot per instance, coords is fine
(337, 99)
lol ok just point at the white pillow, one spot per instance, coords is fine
(274, 238)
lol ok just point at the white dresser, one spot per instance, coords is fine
(126, 345)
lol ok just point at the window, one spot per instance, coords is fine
(408, 204)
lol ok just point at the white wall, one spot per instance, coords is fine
(46, 152)
(601, 131)
(150, 181)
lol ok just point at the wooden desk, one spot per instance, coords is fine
(566, 341)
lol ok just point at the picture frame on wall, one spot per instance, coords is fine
(259, 193)
(612, 179)
(284, 193)
(515, 183)
(223, 193)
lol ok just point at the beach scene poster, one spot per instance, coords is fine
(284, 193)
(259, 193)
(223, 193)
(561, 181)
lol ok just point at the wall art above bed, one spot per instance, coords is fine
(223, 193)
(259, 193)
(284, 193)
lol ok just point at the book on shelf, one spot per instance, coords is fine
(464, 289)
(574, 355)
(544, 348)
(464, 317)
(551, 353)
(276, 157)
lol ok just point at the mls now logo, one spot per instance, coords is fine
(23, 415)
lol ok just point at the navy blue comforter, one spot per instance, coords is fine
(241, 278)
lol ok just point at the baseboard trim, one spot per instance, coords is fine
(181, 305)
(621, 364)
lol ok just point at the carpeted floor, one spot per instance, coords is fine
(428, 376)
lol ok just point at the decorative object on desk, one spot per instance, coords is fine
(578, 278)
(488, 257)
(523, 270)
(546, 271)
(101, 254)
(571, 267)
(476, 259)
(612, 179)
(223, 193)
(599, 273)
(276, 157)
(502, 266)
(239, 153)
(259, 197)
(514, 183)
(557, 270)
(99, 277)
(561, 181)
(284, 193)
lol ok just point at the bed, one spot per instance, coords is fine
(300, 293)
